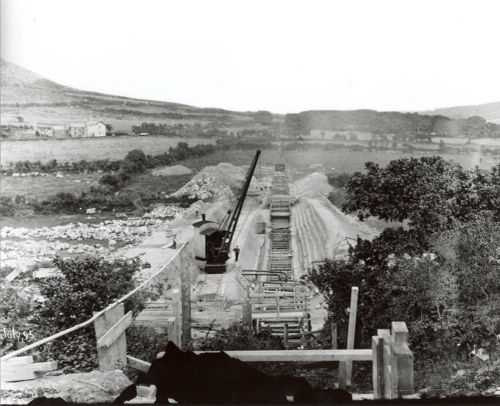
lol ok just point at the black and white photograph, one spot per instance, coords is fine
(250, 202)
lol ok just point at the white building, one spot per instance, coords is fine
(91, 129)
(97, 129)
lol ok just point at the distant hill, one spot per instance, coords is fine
(489, 111)
(29, 98)
(38, 100)
(392, 122)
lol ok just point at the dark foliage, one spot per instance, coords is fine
(88, 286)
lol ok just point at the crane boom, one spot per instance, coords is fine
(229, 225)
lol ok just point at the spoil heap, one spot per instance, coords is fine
(312, 185)
(213, 183)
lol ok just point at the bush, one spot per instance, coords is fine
(88, 286)
(6, 206)
(59, 203)
(111, 180)
(240, 337)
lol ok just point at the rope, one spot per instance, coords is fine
(93, 318)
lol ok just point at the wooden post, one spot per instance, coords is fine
(247, 313)
(345, 369)
(285, 335)
(334, 336)
(401, 362)
(378, 367)
(185, 305)
(110, 336)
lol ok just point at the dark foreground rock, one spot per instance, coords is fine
(216, 378)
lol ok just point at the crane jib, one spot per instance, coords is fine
(234, 214)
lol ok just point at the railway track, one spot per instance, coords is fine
(280, 303)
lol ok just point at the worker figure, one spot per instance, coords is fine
(236, 253)
(174, 242)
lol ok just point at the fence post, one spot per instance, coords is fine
(345, 368)
(334, 336)
(114, 355)
(401, 362)
(185, 306)
(247, 313)
(378, 367)
(285, 335)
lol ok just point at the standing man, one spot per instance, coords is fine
(236, 253)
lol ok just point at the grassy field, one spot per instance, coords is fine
(39, 187)
(299, 164)
(306, 161)
(76, 149)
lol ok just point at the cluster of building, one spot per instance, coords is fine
(88, 129)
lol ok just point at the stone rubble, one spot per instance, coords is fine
(26, 249)
(213, 182)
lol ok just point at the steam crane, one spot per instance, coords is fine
(218, 241)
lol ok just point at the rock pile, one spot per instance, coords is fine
(312, 185)
(165, 212)
(213, 183)
(119, 230)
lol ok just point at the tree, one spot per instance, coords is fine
(428, 192)
(109, 129)
(295, 125)
(263, 117)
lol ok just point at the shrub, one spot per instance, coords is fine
(112, 180)
(6, 206)
(89, 285)
(240, 337)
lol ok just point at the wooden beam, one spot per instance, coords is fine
(247, 313)
(334, 336)
(345, 371)
(185, 302)
(285, 335)
(115, 356)
(24, 372)
(402, 361)
(283, 315)
(115, 332)
(399, 332)
(27, 359)
(378, 367)
(138, 364)
(280, 356)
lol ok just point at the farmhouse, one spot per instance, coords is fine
(77, 130)
(97, 129)
(59, 131)
(91, 129)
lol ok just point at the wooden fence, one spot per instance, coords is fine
(392, 361)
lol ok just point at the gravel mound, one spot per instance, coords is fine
(312, 185)
(213, 183)
(175, 170)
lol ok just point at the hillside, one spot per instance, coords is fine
(30, 98)
(36, 99)
(392, 122)
(489, 111)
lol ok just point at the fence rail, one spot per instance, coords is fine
(95, 316)
(392, 360)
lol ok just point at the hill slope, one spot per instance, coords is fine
(36, 99)
(489, 111)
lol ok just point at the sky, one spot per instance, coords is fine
(279, 55)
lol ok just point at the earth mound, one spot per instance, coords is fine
(312, 185)
(213, 182)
